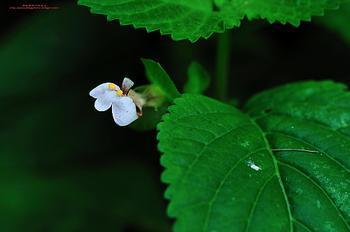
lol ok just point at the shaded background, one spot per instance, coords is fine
(65, 167)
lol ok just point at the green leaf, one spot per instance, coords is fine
(283, 166)
(192, 19)
(313, 116)
(198, 79)
(208, 148)
(157, 76)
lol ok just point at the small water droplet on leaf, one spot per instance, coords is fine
(253, 166)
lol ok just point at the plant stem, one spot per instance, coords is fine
(222, 65)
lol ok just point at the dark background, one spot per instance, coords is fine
(64, 166)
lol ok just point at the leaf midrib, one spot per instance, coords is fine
(277, 173)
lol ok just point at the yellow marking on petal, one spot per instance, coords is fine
(119, 92)
(112, 86)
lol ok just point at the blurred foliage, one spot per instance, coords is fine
(338, 20)
(117, 198)
(160, 78)
(198, 79)
(61, 168)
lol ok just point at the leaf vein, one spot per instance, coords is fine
(296, 221)
(314, 146)
(218, 189)
(257, 197)
(303, 174)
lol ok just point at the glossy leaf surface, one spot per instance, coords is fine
(192, 19)
(283, 166)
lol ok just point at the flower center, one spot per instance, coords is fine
(114, 87)
(119, 92)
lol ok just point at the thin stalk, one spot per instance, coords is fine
(222, 65)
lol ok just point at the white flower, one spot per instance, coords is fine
(110, 95)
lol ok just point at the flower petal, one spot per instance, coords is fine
(99, 90)
(102, 89)
(110, 96)
(127, 84)
(102, 104)
(124, 111)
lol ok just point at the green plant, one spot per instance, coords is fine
(279, 163)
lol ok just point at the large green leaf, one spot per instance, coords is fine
(284, 166)
(192, 19)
